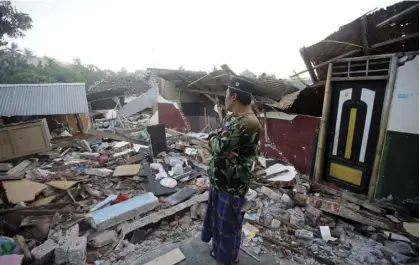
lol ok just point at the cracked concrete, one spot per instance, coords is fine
(198, 253)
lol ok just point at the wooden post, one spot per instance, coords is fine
(320, 154)
(265, 126)
(79, 124)
(205, 117)
(308, 64)
(393, 65)
(363, 21)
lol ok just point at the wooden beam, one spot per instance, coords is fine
(198, 80)
(389, 91)
(363, 21)
(116, 136)
(219, 94)
(79, 123)
(360, 78)
(398, 16)
(308, 64)
(392, 41)
(379, 56)
(320, 154)
(197, 84)
(329, 61)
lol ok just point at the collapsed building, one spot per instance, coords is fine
(369, 132)
(63, 107)
(135, 192)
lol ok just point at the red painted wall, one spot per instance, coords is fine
(171, 117)
(291, 141)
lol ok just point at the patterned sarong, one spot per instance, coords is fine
(223, 224)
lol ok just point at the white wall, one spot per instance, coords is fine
(404, 115)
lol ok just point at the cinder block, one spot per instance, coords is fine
(77, 251)
(43, 253)
(64, 244)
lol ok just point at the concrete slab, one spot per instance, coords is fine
(123, 211)
(44, 252)
(198, 253)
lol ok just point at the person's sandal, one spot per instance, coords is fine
(214, 256)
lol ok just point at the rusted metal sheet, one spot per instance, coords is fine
(291, 140)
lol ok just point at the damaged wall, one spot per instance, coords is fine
(70, 120)
(399, 171)
(170, 115)
(290, 138)
(191, 112)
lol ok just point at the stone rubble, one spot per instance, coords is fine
(287, 222)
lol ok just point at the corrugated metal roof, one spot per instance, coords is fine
(42, 99)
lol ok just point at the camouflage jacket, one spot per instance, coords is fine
(234, 147)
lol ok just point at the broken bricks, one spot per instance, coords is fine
(44, 252)
(77, 251)
(101, 239)
(64, 243)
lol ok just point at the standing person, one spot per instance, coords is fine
(233, 147)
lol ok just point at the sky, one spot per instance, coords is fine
(261, 36)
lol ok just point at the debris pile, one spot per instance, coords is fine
(97, 199)
(111, 199)
(310, 223)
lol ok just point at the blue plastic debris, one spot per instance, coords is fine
(121, 212)
(103, 203)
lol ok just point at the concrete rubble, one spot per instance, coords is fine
(111, 217)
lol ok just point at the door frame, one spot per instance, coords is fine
(389, 75)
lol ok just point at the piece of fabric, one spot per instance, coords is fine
(233, 148)
(223, 225)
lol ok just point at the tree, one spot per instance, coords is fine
(14, 48)
(28, 54)
(13, 23)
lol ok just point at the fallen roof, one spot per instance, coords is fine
(384, 33)
(105, 100)
(142, 102)
(42, 99)
(129, 85)
(216, 82)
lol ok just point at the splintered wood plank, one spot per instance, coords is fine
(126, 170)
(44, 201)
(22, 190)
(19, 168)
(21, 242)
(61, 184)
(170, 258)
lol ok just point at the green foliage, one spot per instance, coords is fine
(17, 66)
(13, 23)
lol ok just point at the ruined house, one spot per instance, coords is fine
(62, 102)
(33, 113)
(189, 101)
(368, 139)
